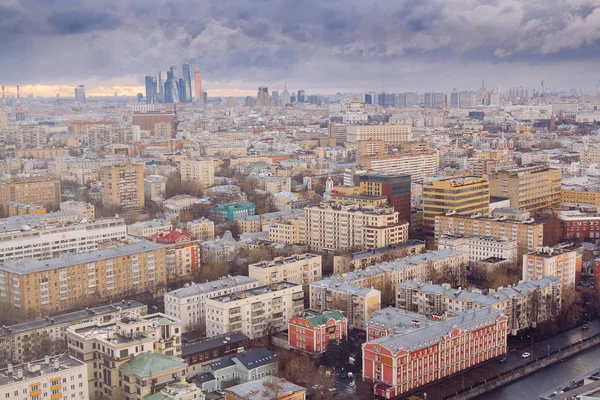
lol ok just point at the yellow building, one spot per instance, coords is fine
(580, 195)
(298, 268)
(363, 200)
(201, 172)
(42, 287)
(530, 188)
(13, 208)
(466, 195)
(41, 154)
(123, 186)
(504, 223)
(291, 231)
(37, 192)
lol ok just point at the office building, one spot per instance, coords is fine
(232, 211)
(299, 268)
(80, 94)
(147, 228)
(418, 165)
(254, 312)
(109, 274)
(201, 352)
(200, 172)
(56, 377)
(151, 89)
(396, 188)
(332, 227)
(530, 188)
(122, 186)
(312, 330)
(37, 192)
(435, 100)
(263, 99)
(393, 134)
(147, 120)
(301, 98)
(546, 261)
(421, 353)
(187, 304)
(466, 195)
(525, 305)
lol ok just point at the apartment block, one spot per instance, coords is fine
(467, 195)
(503, 223)
(299, 268)
(57, 377)
(41, 287)
(12, 208)
(147, 373)
(546, 261)
(254, 312)
(356, 302)
(32, 340)
(200, 352)
(118, 342)
(187, 304)
(481, 247)
(416, 356)
(418, 165)
(366, 258)
(530, 188)
(312, 330)
(203, 229)
(292, 231)
(182, 253)
(393, 134)
(396, 188)
(525, 305)
(123, 186)
(37, 192)
(201, 172)
(256, 223)
(331, 227)
(155, 187)
(32, 237)
(83, 209)
(46, 153)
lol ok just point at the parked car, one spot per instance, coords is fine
(585, 326)
(502, 360)
(526, 355)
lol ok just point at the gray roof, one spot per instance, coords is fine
(69, 317)
(213, 342)
(268, 388)
(277, 214)
(203, 378)
(200, 288)
(34, 265)
(257, 291)
(256, 358)
(397, 320)
(221, 364)
(386, 249)
(65, 362)
(153, 223)
(341, 286)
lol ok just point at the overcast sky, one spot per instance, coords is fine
(322, 46)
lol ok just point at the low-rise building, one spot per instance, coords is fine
(298, 268)
(200, 352)
(60, 377)
(155, 187)
(292, 231)
(187, 304)
(254, 312)
(267, 388)
(148, 372)
(363, 259)
(148, 228)
(256, 223)
(178, 391)
(232, 211)
(414, 357)
(312, 330)
(182, 253)
(182, 201)
(580, 225)
(83, 209)
(480, 247)
(547, 261)
(222, 249)
(203, 229)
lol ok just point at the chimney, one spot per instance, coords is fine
(10, 368)
(56, 364)
(20, 373)
(47, 360)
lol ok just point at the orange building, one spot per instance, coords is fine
(546, 261)
(37, 192)
(182, 256)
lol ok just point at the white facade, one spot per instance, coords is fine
(83, 209)
(299, 268)
(480, 247)
(148, 228)
(417, 165)
(155, 187)
(254, 312)
(391, 134)
(201, 172)
(188, 303)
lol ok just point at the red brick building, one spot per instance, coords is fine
(580, 225)
(312, 330)
(183, 255)
(418, 355)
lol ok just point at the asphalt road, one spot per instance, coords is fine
(493, 368)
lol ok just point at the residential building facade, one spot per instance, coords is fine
(298, 268)
(546, 261)
(312, 330)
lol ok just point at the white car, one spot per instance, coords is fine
(526, 355)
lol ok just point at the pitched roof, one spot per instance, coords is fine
(322, 318)
(149, 364)
(256, 358)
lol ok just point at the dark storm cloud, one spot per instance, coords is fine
(278, 39)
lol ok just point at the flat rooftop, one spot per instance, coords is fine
(196, 289)
(54, 367)
(274, 287)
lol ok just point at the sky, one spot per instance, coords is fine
(49, 46)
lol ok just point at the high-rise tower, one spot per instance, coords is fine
(187, 78)
(198, 86)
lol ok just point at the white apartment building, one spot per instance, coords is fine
(187, 304)
(417, 165)
(274, 184)
(254, 312)
(331, 226)
(83, 209)
(155, 187)
(393, 134)
(203, 229)
(480, 247)
(201, 172)
(149, 228)
(27, 238)
(60, 377)
(299, 268)
(31, 340)
(105, 347)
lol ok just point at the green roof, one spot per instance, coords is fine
(151, 364)
(322, 318)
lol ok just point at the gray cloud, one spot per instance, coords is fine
(318, 44)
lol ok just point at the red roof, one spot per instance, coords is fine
(171, 237)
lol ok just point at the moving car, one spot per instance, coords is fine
(526, 355)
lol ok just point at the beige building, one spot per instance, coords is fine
(298, 268)
(41, 154)
(357, 303)
(529, 188)
(363, 259)
(331, 227)
(42, 287)
(201, 172)
(393, 134)
(466, 195)
(155, 187)
(418, 165)
(254, 312)
(546, 261)
(123, 186)
(37, 192)
(525, 304)
(83, 209)
(203, 229)
(149, 228)
(590, 155)
(256, 223)
(503, 223)
(292, 231)
(118, 342)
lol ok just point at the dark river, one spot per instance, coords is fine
(542, 381)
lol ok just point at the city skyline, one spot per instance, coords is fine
(109, 46)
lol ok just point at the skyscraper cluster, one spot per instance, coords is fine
(176, 88)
